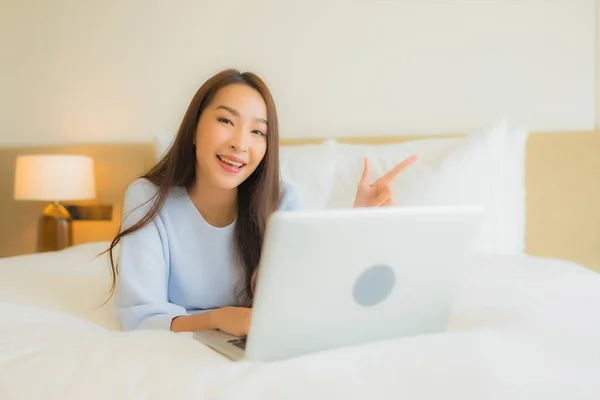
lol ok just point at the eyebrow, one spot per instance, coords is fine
(237, 114)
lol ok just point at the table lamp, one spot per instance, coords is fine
(54, 178)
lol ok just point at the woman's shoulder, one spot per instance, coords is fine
(139, 198)
(141, 190)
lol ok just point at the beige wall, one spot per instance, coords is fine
(79, 72)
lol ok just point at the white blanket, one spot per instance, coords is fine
(523, 328)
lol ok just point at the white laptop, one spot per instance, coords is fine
(342, 277)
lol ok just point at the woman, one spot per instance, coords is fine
(193, 226)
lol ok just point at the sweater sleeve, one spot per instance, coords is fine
(141, 295)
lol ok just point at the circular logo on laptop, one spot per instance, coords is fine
(374, 285)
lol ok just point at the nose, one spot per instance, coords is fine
(239, 141)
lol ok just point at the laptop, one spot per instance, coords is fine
(342, 277)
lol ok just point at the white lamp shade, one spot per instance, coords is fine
(54, 178)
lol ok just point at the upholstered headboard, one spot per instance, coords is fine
(562, 193)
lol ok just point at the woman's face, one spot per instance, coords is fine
(231, 136)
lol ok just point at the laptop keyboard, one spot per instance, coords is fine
(241, 343)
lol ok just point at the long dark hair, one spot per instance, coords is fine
(258, 195)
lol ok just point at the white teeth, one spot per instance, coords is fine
(230, 162)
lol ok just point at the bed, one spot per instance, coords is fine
(525, 324)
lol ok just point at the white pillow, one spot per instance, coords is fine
(450, 171)
(320, 182)
(513, 211)
(309, 169)
(350, 163)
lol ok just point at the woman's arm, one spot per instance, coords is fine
(193, 323)
(141, 296)
(232, 320)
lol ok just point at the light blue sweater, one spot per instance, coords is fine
(177, 264)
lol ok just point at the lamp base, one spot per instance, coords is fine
(55, 228)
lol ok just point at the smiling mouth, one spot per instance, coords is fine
(231, 162)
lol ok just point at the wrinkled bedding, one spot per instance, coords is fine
(522, 328)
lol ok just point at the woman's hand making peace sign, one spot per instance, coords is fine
(379, 193)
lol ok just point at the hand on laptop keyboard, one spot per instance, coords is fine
(233, 320)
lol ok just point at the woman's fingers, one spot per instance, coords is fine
(389, 202)
(386, 179)
(365, 174)
(383, 197)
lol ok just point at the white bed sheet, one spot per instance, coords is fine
(523, 328)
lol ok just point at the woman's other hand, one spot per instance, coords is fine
(379, 193)
(232, 320)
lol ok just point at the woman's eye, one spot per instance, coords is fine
(224, 120)
(258, 132)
